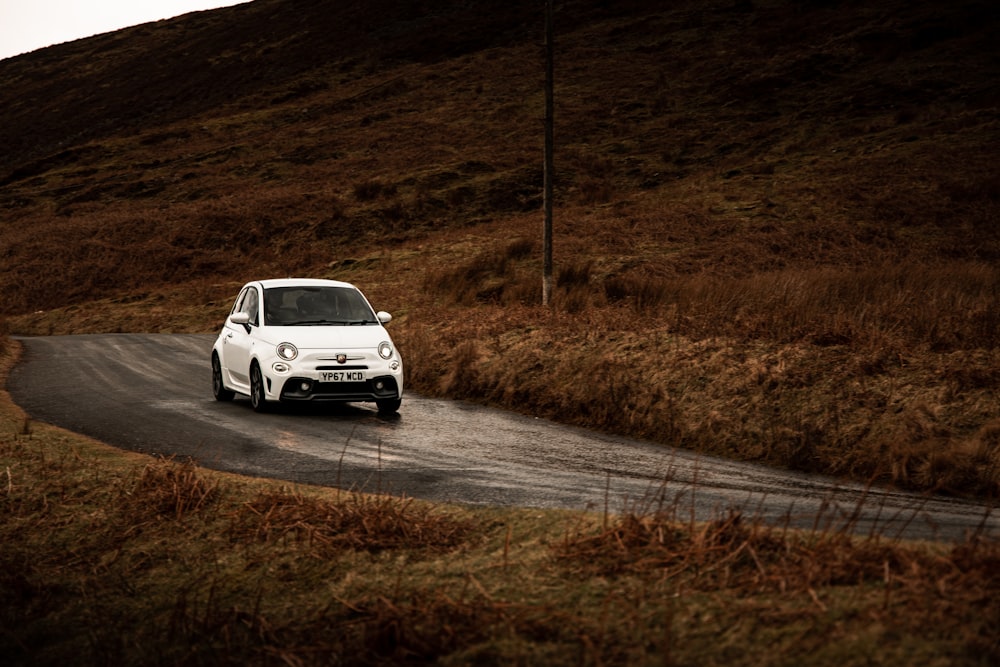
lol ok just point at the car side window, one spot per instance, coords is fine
(250, 303)
(238, 304)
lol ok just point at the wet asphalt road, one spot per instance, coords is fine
(152, 394)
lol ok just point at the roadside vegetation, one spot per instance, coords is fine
(111, 557)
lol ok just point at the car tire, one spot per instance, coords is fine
(258, 400)
(388, 406)
(218, 388)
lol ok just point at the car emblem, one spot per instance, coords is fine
(341, 358)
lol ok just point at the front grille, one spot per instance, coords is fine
(336, 388)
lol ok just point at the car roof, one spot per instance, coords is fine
(302, 282)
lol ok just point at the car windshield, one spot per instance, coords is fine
(316, 305)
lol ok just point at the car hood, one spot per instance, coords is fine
(320, 337)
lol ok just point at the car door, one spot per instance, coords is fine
(238, 339)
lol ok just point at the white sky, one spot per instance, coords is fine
(26, 25)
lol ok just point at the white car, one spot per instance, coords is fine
(306, 340)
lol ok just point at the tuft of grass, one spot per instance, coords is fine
(361, 523)
(169, 489)
(493, 276)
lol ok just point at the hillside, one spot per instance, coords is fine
(776, 229)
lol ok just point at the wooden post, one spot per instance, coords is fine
(547, 175)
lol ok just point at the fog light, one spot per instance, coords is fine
(305, 386)
(379, 385)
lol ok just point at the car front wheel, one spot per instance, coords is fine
(218, 388)
(389, 405)
(257, 397)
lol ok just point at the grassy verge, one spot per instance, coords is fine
(112, 557)
(887, 374)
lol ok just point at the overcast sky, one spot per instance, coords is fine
(26, 25)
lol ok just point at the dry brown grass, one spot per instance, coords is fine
(114, 557)
(898, 387)
(360, 523)
(733, 554)
(169, 489)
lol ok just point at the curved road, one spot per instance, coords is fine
(152, 393)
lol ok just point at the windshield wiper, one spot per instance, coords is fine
(309, 323)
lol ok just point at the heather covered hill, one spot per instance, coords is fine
(873, 128)
(157, 73)
(776, 221)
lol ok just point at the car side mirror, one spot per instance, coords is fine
(240, 318)
(383, 317)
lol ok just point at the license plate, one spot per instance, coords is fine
(342, 376)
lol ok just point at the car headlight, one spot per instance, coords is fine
(385, 349)
(287, 351)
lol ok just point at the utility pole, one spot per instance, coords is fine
(547, 176)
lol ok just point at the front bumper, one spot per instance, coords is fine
(307, 389)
